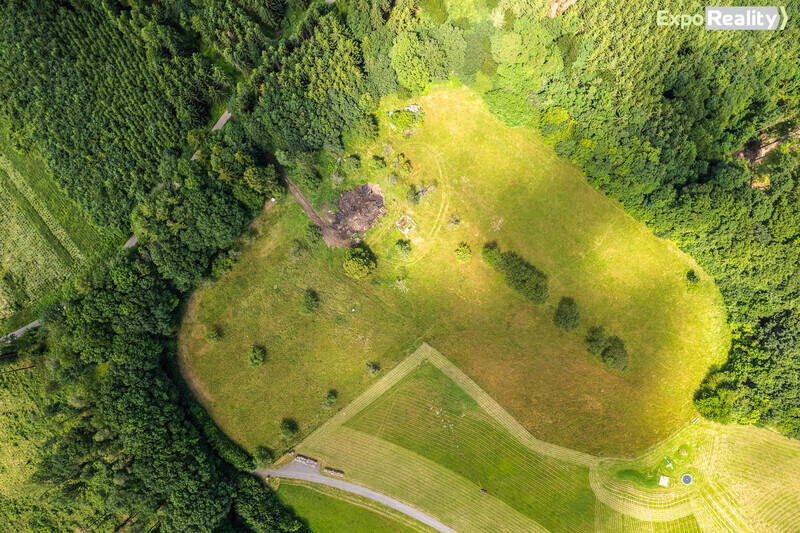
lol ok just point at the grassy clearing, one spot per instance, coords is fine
(502, 184)
(328, 510)
(423, 439)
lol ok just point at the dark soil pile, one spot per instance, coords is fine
(358, 210)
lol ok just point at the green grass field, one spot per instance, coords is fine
(504, 185)
(328, 510)
(44, 235)
(428, 435)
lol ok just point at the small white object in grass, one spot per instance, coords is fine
(353, 310)
(663, 481)
(272, 199)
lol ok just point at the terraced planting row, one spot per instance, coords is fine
(43, 235)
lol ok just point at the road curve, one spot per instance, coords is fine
(14, 334)
(297, 470)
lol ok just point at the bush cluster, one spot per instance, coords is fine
(610, 349)
(256, 356)
(463, 252)
(359, 261)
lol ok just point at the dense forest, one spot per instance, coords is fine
(114, 92)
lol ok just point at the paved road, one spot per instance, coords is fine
(296, 470)
(20, 331)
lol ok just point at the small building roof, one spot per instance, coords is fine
(663, 481)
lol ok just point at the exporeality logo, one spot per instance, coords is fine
(728, 18)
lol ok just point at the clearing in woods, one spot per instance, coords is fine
(328, 510)
(43, 235)
(427, 435)
(484, 182)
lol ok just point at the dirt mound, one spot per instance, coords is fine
(357, 211)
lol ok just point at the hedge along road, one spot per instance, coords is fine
(298, 470)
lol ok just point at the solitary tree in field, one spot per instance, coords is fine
(596, 340)
(256, 356)
(359, 261)
(491, 255)
(289, 428)
(615, 356)
(567, 315)
(330, 399)
(373, 368)
(463, 252)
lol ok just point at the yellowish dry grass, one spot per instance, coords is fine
(505, 185)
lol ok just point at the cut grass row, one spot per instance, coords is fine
(328, 510)
(421, 435)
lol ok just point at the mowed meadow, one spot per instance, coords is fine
(428, 435)
(44, 235)
(492, 183)
(327, 510)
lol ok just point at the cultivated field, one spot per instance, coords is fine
(328, 510)
(44, 236)
(500, 184)
(428, 435)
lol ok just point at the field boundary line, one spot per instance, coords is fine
(362, 401)
(497, 412)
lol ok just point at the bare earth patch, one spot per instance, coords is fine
(357, 211)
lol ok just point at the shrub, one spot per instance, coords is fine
(214, 335)
(263, 457)
(359, 261)
(373, 368)
(413, 195)
(256, 356)
(288, 428)
(330, 399)
(403, 120)
(692, 279)
(615, 356)
(463, 252)
(298, 249)
(524, 278)
(313, 233)
(309, 302)
(222, 263)
(596, 340)
(403, 248)
(567, 315)
(377, 163)
(491, 255)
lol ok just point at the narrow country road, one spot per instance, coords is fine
(14, 334)
(297, 470)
